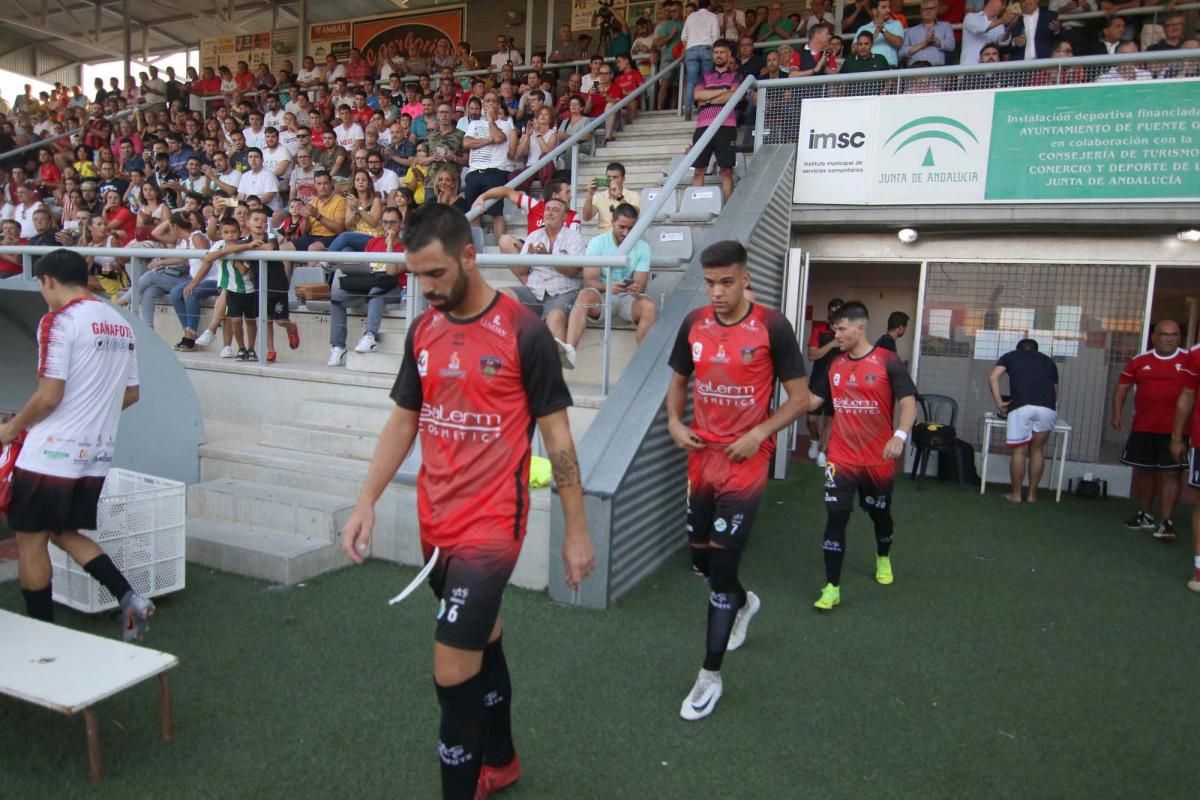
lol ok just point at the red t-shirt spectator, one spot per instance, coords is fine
(1158, 380)
(49, 175)
(378, 244)
(359, 71)
(628, 81)
(244, 81)
(363, 116)
(602, 100)
(126, 218)
(10, 265)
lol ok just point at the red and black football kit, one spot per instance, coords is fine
(1192, 381)
(735, 367)
(863, 392)
(1157, 382)
(478, 385)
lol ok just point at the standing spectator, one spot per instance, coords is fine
(492, 143)
(1157, 377)
(986, 26)
(1033, 33)
(818, 13)
(1074, 31)
(505, 54)
(700, 30)
(931, 40)
(817, 57)
(666, 38)
(887, 34)
(715, 89)
(776, 28)
(1030, 411)
(733, 21)
(897, 326)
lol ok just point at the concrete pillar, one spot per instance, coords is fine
(302, 32)
(529, 30)
(127, 36)
(551, 39)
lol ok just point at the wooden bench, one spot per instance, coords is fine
(69, 671)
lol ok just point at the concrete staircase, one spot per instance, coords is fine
(280, 480)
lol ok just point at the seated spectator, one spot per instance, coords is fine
(22, 211)
(151, 211)
(108, 276)
(45, 232)
(10, 236)
(886, 33)
(534, 209)
(550, 291)
(573, 89)
(164, 275)
(626, 285)
(627, 79)
(988, 54)
(930, 40)
(863, 58)
(1126, 71)
(446, 189)
(606, 203)
(576, 120)
(815, 58)
(401, 147)
(386, 283)
(1060, 75)
(474, 111)
(1033, 33)
(334, 159)
(326, 215)
(593, 75)
(603, 94)
(259, 181)
(364, 210)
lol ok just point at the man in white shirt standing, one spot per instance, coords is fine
(492, 142)
(505, 54)
(989, 26)
(87, 373)
(259, 181)
(700, 30)
(818, 13)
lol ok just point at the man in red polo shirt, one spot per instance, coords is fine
(1159, 377)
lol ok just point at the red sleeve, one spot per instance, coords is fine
(1127, 374)
(814, 339)
(1192, 370)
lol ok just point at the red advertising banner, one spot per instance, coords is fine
(416, 33)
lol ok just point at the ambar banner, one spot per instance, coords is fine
(1122, 142)
(415, 32)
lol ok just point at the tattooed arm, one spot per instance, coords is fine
(578, 556)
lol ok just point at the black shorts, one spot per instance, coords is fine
(1150, 451)
(721, 145)
(48, 503)
(469, 581)
(239, 306)
(277, 291)
(723, 496)
(479, 182)
(303, 242)
(1194, 468)
(872, 484)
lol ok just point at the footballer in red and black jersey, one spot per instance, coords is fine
(863, 392)
(478, 385)
(735, 368)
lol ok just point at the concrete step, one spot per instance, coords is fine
(288, 511)
(342, 442)
(336, 414)
(260, 553)
(379, 363)
(666, 148)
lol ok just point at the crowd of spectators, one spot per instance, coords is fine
(328, 150)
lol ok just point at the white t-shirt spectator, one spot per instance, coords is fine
(302, 116)
(255, 138)
(260, 183)
(331, 75)
(91, 348)
(499, 59)
(701, 29)
(273, 119)
(23, 215)
(155, 91)
(386, 182)
(307, 75)
(490, 156)
(233, 178)
(290, 140)
(272, 158)
(349, 137)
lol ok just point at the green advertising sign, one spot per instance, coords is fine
(1136, 140)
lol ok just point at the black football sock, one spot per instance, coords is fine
(724, 600)
(461, 737)
(105, 571)
(883, 530)
(834, 545)
(497, 699)
(39, 603)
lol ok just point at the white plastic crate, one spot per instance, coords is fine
(141, 526)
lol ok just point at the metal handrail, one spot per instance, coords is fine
(574, 140)
(139, 254)
(959, 69)
(646, 215)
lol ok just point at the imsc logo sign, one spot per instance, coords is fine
(839, 141)
(930, 128)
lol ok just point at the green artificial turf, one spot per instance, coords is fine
(1033, 652)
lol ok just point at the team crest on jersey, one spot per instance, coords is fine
(720, 357)
(853, 381)
(423, 363)
(747, 354)
(837, 379)
(871, 378)
(452, 368)
(697, 350)
(490, 365)
(720, 525)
